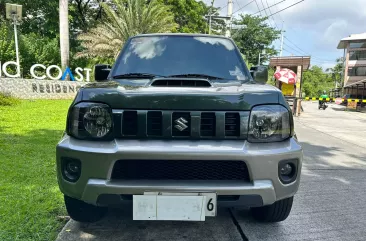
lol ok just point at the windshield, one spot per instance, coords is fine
(180, 55)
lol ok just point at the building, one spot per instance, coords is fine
(355, 58)
(355, 68)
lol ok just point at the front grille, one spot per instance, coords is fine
(180, 170)
(166, 124)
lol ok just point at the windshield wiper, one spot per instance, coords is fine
(136, 75)
(196, 76)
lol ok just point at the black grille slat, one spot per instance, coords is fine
(232, 124)
(129, 123)
(180, 170)
(154, 123)
(208, 124)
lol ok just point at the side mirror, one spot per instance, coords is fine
(101, 71)
(259, 73)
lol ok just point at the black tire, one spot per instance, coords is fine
(275, 212)
(84, 212)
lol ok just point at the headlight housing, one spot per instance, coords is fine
(269, 123)
(90, 121)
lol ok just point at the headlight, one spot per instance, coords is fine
(90, 121)
(269, 123)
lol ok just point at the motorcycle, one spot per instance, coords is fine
(322, 105)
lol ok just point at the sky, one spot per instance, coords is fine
(312, 27)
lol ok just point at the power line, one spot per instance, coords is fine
(312, 60)
(234, 5)
(271, 15)
(270, 6)
(305, 51)
(286, 8)
(223, 6)
(264, 8)
(297, 46)
(279, 13)
(292, 48)
(260, 13)
(270, 12)
(243, 6)
(265, 12)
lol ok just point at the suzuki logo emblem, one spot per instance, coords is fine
(181, 124)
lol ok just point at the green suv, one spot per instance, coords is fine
(178, 127)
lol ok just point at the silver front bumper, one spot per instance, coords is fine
(98, 159)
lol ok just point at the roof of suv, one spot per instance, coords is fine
(181, 34)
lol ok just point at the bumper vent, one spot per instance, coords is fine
(179, 170)
(232, 124)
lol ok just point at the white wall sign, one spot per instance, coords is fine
(82, 73)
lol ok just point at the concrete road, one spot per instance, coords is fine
(330, 204)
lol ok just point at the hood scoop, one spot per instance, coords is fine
(180, 82)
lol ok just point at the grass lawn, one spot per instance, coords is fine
(30, 200)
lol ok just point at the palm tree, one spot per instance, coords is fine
(123, 19)
(64, 32)
(337, 71)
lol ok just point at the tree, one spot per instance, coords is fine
(190, 16)
(337, 72)
(84, 14)
(7, 49)
(123, 19)
(255, 37)
(38, 16)
(33, 49)
(315, 81)
(36, 50)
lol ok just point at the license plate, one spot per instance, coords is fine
(174, 206)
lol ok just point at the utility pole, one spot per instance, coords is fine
(14, 12)
(16, 44)
(209, 24)
(64, 33)
(229, 15)
(261, 53)
(281, 40)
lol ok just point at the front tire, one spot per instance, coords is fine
(83, 212)
(275, 212)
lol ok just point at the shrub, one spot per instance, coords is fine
(6, 99)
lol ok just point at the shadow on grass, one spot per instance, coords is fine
(40, 136)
